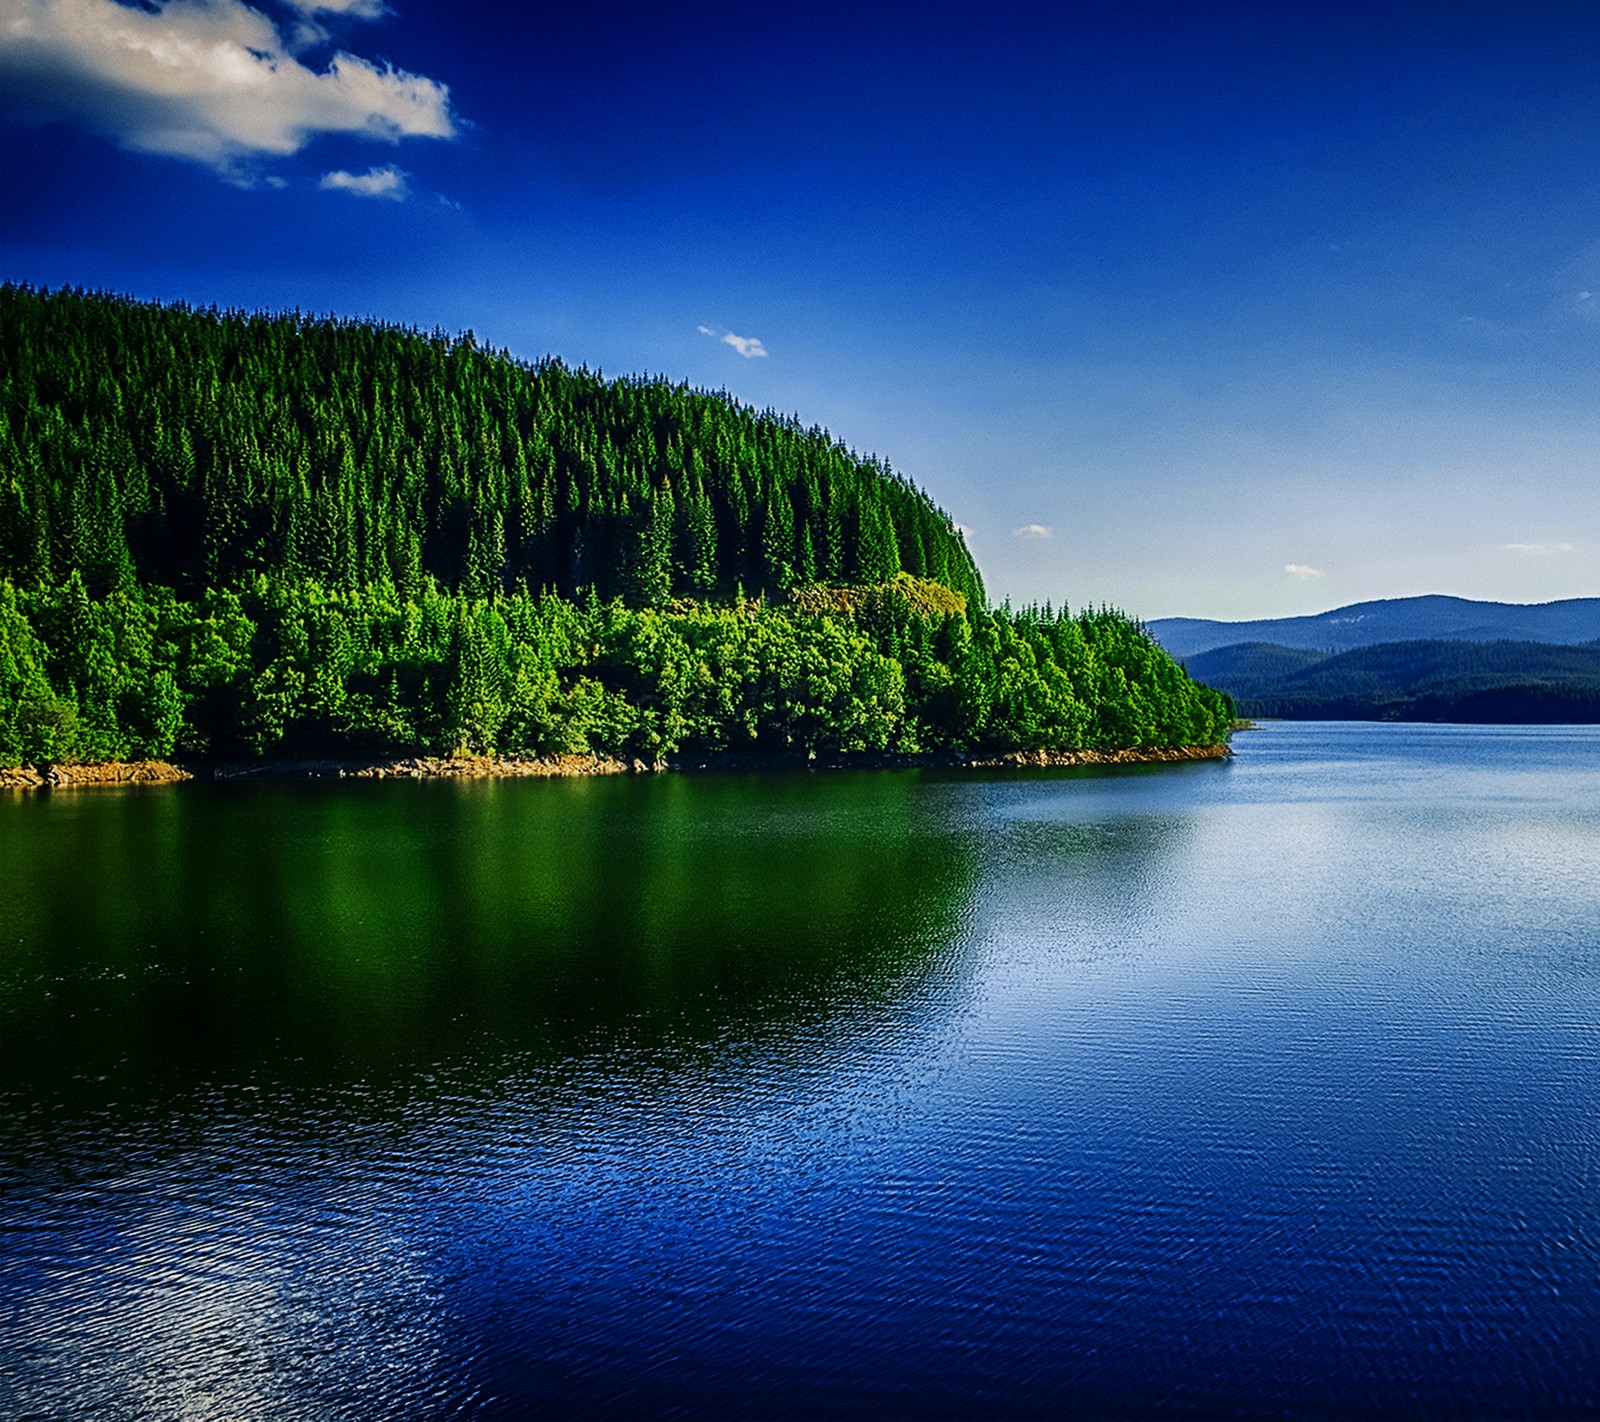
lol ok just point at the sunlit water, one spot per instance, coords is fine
(1268, 1088)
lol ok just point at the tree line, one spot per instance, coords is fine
(279, 668)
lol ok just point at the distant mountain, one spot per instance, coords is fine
(1410, 681)
(1401, 619)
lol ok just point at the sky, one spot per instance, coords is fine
(1214, 310)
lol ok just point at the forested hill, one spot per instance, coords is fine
(1411, 681)
(189, 449)
(227, 535)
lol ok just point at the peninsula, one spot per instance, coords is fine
(249, 540)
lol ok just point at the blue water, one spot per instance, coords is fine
(1265, 1088)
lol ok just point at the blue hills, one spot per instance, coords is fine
(1413, 659)
(1401, 619)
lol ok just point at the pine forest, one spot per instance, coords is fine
(234, 535)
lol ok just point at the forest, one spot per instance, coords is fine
(226, 534)
(1422, 680)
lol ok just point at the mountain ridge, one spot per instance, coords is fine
(1431, 617)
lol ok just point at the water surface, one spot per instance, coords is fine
(1264, 1088)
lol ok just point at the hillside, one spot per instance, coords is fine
(194, 449)
(1406, 619)
(1413, 681)
(1244, 669)
(233, 535)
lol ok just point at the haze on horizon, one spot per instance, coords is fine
(1218, 311)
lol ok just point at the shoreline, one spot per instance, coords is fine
(161, 772)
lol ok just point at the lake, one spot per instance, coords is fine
(1264, 1088)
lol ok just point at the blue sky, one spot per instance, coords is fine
(1222, 310)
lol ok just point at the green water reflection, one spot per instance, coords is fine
(316, 934)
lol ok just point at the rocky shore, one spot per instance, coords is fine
(116, 772)
(153, 772)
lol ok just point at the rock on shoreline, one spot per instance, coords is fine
(485, 767)
(117, 772)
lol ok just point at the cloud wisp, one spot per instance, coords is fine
(210, 81)
(1537, 547)
(749, 347)
(387, 183)
(1304, 571)
(1033, 531)
(357, 9)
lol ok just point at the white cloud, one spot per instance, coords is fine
(309, 32)
(211, 81)
(387, 182)
(1303, 571)
(965, 532)
(1537, 547)
(357, 9)
(1032, 530)
(749, 347)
